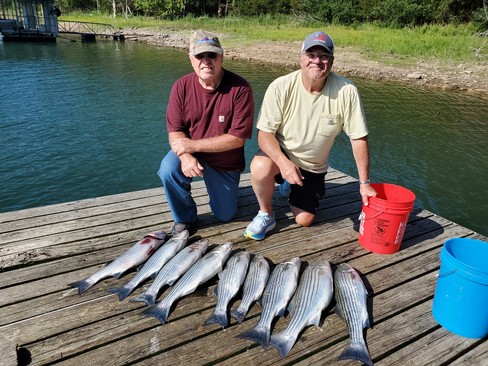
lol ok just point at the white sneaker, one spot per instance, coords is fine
(260, 225)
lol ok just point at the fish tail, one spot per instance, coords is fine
(283, 342)
(157, 311)
(81, 285)
(258, 334)
(123, 292)
(238, 314)
(146, 298)
(217, 317)
(356, 351)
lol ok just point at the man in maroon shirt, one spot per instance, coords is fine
(209, 117)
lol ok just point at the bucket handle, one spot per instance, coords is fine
(440, 275)
(361, 216)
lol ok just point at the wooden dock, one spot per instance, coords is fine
(43, 321)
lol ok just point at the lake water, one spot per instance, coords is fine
(86, 120)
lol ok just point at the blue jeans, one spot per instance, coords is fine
(221, 187)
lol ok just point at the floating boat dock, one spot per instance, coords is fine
(45, 322)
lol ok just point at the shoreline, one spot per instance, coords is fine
(470, 79)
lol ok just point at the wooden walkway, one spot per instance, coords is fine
(44, 249)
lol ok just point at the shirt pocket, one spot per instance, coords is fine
(330, 124)
(223, 120)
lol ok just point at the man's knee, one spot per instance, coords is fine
(303, 218)
(262, 167)
(225, 216)
(167, 168)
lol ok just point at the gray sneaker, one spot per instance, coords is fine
(260, 225)
(178, 227)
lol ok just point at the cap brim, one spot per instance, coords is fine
(313, 44)
(199, 50)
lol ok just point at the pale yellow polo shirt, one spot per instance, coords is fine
(306, 125)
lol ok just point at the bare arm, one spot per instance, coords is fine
(360, 150)
(183, 145)
(270, 146)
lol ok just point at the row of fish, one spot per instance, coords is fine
(187, 267)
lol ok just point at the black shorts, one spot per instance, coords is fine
(306, 197)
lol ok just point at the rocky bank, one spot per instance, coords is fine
(469, 78)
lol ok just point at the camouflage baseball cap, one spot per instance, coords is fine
(202, 41)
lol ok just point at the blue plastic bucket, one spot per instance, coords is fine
(461, 295)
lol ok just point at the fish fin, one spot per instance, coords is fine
(81, 285)
(292, 304)
(118, 274)
(258, 301)
(365, 315)
(367, 323)
(238, 314)
(216, 291)
(316, 320)
(283, 342)
(154, 275)
(171, 282)
(157, 311)
(281, 313)
(289, 308)
(356, 351)
(158, 235)
(122, 292)
(258, 334)
(146, 298)
(217, 317)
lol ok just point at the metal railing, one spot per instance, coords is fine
(98, 29)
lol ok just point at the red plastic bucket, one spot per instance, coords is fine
(383, 221)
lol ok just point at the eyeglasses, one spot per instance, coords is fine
(323, 57)
(203, 55)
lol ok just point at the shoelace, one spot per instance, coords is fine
(259, 220)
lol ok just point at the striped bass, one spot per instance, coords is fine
(278, 292)
(173, 270)
(313, 295)
(253, 286)
(351, 296)
(133, 257)
(230, 281)
(203, 270)
(154, 263)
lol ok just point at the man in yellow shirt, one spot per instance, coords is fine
(300, 117)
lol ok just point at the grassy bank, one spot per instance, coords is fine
(449, 43)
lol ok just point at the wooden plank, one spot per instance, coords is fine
(48, 247)
(435, 348)
(43, 249)
(180, 311)
(140, 205)
(477, 356)
(62, 214)
(277, 249)
(311, 246)
(115, 212)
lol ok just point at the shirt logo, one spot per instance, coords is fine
(330, 120)
(221, 118)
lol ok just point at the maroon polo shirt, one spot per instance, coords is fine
(202, 113)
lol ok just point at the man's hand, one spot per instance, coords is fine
(182, 146)
(291, 173)
(366, 191)
(190, 166)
